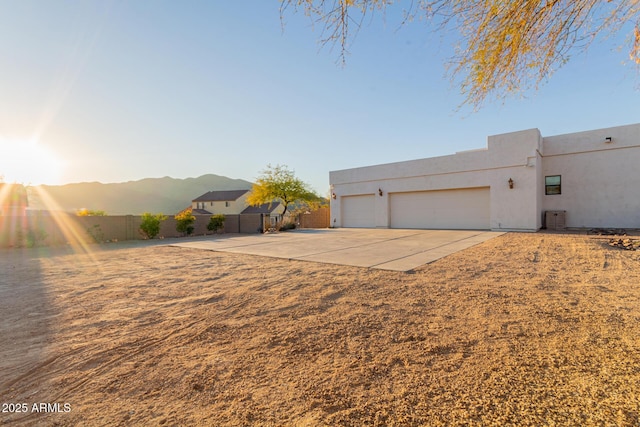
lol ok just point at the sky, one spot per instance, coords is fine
(115, 91)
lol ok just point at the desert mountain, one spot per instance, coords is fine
(166, 195)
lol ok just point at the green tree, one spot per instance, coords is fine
(504, 46)
(184, 222)
(279, 184)
(216, 223)
(150, 226)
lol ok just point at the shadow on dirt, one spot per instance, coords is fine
(25, 327)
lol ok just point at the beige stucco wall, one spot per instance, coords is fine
(278, 210)
(600, 179)
(513, 155)
(234, 208)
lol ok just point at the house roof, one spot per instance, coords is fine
(200, 212)
(221, 196)
(265, 208)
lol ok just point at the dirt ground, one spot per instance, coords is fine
(523, 330)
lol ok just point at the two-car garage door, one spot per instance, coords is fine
(465, 209)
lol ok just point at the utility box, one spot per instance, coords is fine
(555, 220)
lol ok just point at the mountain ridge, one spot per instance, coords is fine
(167, 195)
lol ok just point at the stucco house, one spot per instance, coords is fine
(234, 202)
(521, 181)
(273, 211)
(228, 202)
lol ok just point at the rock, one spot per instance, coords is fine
(608, 231)
(628, 244)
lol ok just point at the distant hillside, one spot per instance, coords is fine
(166, 195)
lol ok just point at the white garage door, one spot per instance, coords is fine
(463, 209)
(358, 211)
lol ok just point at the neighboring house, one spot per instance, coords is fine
(519, 181)
(13, 200)
(271, 210)
(227, 202)
(234, 202)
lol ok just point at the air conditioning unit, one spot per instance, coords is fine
(555, 220)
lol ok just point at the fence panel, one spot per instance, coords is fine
(320, 218)
(59, 228)
(251, 223)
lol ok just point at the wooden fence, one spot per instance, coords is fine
(320, 218)
(59, 228)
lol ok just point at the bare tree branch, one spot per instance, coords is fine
(507, 46)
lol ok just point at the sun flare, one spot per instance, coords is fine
(29, 163)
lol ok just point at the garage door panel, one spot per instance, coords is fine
(465, 209)
(358, 211)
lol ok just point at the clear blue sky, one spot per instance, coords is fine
(123, 90)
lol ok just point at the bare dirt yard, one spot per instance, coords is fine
(522, 330)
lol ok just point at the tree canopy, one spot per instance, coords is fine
(279, 184)
(90, 212)
(505, 46)
(184, 221)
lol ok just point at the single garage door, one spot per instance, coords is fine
(461, 209)
(358, 211)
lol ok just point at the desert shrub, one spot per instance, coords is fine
(288, 226)
(184, 222)
(216, 223)
(89, 212)
(35, 237)
(150, 226)
(96, 233)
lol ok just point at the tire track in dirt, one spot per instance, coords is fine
(95, 363)
(35, 374)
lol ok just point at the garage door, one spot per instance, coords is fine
(358, 211)
(464, 209)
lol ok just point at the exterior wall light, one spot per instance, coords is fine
(333, 196)
(380, 192)
(510, 183)
(608, 139)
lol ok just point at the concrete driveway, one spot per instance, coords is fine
(386, 249)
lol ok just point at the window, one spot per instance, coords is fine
(226, 204)
(552, 185)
